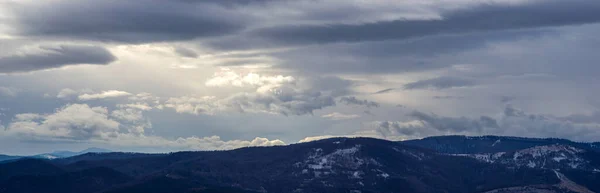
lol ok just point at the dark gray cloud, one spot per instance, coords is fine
(126, 21)
(230, 2)
(392, 56)
(455, 124)
(443, 82)
(506, 99)
(486, 17)
(513, 122)
(285, 103)
(55, 57)
(283, 100)
(332, 85)
(584, 118)
(186, 52)
(510, 111)
(388, 128)
(448, 97)
(384, 91)
(520, 123)
(352, 100)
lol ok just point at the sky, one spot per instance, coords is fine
(160, 76)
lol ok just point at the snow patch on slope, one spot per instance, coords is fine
(341, 161)
(496, 142)
(549, 156)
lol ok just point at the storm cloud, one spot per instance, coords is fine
(49, 57)
(479, 18)
(125, 21)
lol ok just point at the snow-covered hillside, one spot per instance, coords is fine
(555, 156)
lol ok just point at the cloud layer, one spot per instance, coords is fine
(125, 21)
(48, 57)
(215, 74)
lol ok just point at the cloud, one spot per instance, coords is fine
(216, 143)
(283, 100)
(194, 105)
(186, 52)
(66, 93)
(443, 82)
(506, 99)
(285, 95)
(316, 138)
(468, 19)
(127, 114)
(8, 91)
(340, 116)
(139, 106)
(519, 123)
(448, 97)
(125, 21)
(227, 77)
(393, 129)
(312, 63)
(593, 117)
(103, 95)
(55, 57)
(72, 122)
(190, 143)
(455, 124)
(351, 100)
(144, 101)
(122, 127)
(395, 56)
(384, 91)
(512, 122)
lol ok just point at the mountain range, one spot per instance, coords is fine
(452, 164)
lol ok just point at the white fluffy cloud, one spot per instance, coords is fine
(139, 106)
(281, 100)
(89, 94)
(72, 122)
(228, 77)
(66, 93)
(340, 116)
(269, 94)
(125, 127)
(194, 105)
(217, 143)
(104, 94)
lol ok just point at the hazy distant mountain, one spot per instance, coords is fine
(56, 154)
(63, 154)
(8, 157)
(452, 164)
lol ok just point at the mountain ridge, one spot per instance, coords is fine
(327, 165)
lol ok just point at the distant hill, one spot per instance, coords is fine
(8, 157)
(55, 155)
(463, 165)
